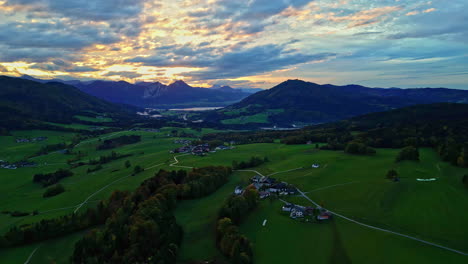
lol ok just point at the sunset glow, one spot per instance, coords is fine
(254, 43)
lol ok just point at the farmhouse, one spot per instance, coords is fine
(287, 207)
(255, 178)
(238, 190)
(297, 212)
(222, 147)
(324, 215)
(279, 187)
(264, 195)
(315, 166)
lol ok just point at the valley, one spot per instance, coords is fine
(354, 186)
(89, 183)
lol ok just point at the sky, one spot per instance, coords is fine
(242, 43)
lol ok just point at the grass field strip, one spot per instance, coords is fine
(98, 191)
(372, 227)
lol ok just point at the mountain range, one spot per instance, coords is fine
(291, 103)
(156, 94)
(296, 101)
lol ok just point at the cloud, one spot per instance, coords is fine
(126, 74)
(256, 60)
(84, 9)
(412, 13)
(429, 10)
(53, 35)
(60, 65)
(11, 54)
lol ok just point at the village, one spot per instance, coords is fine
(28, 140)
(270, 187)
(198, 150)
(14, 166)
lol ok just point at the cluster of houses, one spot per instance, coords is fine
(27, 140)
(199, 150)
(306, 212)
(14, 166)
(267, 186)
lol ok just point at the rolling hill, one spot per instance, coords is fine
(295, 102)
(24, 102)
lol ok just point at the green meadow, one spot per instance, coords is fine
(354, 186)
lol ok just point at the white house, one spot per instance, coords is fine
(287, 207)
(315, 166)
(238, 190)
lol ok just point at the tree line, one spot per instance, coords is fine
(229, 240)
(144, 229)
(119, 141)
(136, 227)
(51, 178)
(253, 162)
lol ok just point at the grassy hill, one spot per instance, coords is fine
(299, 102)
(23, 103)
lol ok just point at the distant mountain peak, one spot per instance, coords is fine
(179, 83)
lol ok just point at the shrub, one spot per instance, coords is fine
(408, 153)
(359, 148)
(54, 190)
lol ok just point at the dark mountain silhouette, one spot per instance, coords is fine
(25, 101)
(296, 101)
(155, 94)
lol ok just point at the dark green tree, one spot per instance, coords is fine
(408, 153)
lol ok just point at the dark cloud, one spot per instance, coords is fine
(257, 60)
(244, 17)
(81, 69)
(86, 9)
(11, 54)
(127, 74)
(239, 62)
(53, 35)
(60, 65)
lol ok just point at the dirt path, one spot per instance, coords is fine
(176, 161)
(300, 168)
(331, 186)
(103, 188)
(31, 255)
